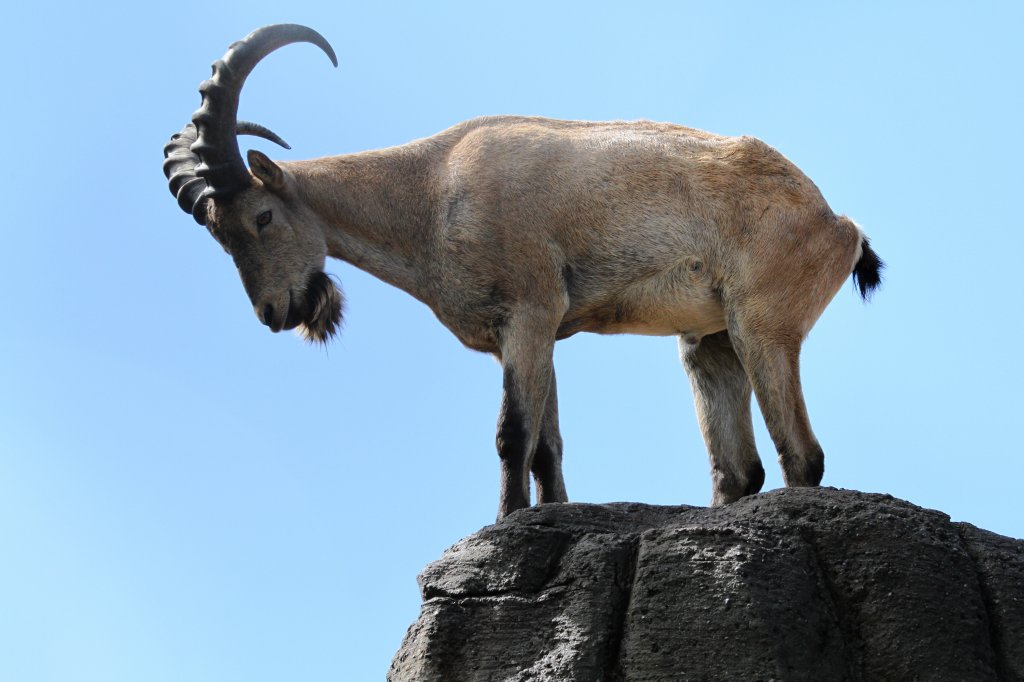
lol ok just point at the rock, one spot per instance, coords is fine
(796, 584)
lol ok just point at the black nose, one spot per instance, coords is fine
(268, 314)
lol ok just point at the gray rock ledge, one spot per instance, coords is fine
(795, 584)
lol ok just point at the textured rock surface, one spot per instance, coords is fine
(797, 584)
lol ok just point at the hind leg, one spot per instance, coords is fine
(771, 357)
(721, 393)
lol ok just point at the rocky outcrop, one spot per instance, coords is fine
(796, 584)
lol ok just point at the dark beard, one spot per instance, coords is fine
(321, 311)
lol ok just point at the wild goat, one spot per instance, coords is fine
(518, 232)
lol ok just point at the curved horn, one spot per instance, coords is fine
(180, 164)
(216, 146)
(250, 128)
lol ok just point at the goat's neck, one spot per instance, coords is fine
(378, 208)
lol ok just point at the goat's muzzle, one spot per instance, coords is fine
(316, 311)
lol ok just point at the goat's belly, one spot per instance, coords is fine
(695, 318)
(666, 328)
(686, 325)
(679, 300)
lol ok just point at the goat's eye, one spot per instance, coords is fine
(263, 219)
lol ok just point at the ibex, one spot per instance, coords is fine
(518, 232)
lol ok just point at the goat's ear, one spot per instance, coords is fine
(266, 170)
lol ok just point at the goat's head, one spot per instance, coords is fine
(256, 213)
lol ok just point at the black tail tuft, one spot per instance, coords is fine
(867, 273)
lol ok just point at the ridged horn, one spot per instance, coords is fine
(180, 168)
(221, 163)
(180, 164)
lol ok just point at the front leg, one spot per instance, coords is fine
(547, 459)
(527, 343)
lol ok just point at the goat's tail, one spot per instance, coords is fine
(867, 271)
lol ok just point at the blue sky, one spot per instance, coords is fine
(186, 496)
